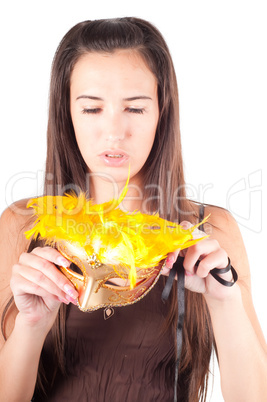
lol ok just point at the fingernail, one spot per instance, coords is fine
(63, 300)
(71, 291)
(63, 261)
(169, 262)
(72, 300)
(186, 225)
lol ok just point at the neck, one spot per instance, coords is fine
(102, 190)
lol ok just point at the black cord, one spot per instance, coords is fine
(178, 270)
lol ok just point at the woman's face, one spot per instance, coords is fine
(114, 109)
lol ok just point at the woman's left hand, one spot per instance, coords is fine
(198, 278)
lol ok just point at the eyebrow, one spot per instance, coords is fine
(89, 97)
(125, 99)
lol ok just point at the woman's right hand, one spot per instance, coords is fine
(39, 287)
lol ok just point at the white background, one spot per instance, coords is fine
(219, 52)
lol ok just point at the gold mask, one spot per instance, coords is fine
(95, 285)
(108, 246)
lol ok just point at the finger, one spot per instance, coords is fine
(195, 283)
(216, 259)
(39, 281)
(172, 257)
(199, 251)
(24, 289)
(197, 234)
(186, 225)
(46, 269)
(21, 286)
(52, 255)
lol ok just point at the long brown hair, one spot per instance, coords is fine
(164, 182)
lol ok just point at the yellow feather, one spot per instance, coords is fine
(126, 240)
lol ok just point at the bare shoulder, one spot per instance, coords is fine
(14, 221)
(223, 227)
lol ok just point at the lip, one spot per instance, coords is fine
(114, 162)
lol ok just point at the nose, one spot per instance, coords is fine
(114, 127)
(114, 137)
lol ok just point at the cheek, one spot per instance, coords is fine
(145, 144)
(84, 134)
(85, 142)
(153, 124)
(149, 135)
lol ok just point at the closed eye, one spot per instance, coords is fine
(135, 110)
(91, 111)
(98, 110)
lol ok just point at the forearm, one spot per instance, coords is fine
(19, 360)
(242, 360)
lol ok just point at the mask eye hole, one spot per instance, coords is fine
(120, 283)
(76, 269)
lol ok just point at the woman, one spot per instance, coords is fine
(114, 101)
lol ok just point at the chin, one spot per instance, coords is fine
(118, 175)
(110, 174)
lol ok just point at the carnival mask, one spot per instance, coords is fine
(119, 255)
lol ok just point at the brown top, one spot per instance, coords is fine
(124, 358)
